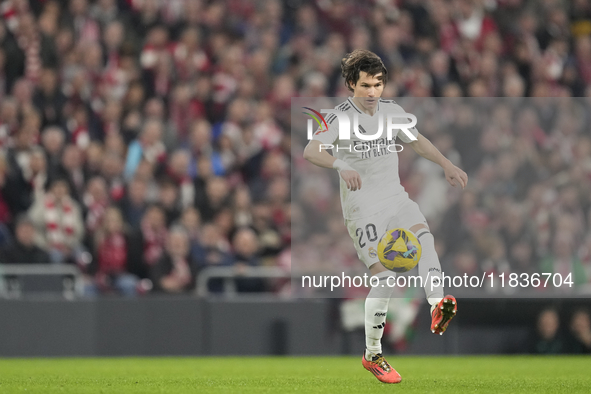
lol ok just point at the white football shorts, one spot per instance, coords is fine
(367, 232)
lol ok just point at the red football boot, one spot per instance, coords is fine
(442, 314)
(381, 369)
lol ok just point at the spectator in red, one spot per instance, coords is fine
(95, 201)
(265, 128)
(202, 98)
(156, 47)
(111, 251)
(147, 243)
(189, 58)
(113, 36)
(157, 63)
(473, 23)
(184, 109)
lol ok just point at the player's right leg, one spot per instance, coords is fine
(381, 369)
(376, 308)
(365, 235)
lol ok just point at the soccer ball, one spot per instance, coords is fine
(399, 250)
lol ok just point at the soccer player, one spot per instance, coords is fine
(373, 200)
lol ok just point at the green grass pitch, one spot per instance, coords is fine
(493, 374)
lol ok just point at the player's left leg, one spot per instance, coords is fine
(443, 309)
(429, 265)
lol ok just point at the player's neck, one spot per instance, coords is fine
(361, 107)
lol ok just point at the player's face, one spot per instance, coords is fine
(370, 88)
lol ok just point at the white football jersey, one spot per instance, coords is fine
(376, 161)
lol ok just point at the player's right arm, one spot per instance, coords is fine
(315, 152)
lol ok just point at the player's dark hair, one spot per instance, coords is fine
(362, 60)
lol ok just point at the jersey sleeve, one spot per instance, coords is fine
(327, 136)
(402, 135)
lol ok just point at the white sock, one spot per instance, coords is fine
(429, 266)
(369, 355)
(376, 307)
(434, 300)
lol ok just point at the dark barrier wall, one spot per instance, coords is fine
(190, 326)
(268, 327)
(163, 326)
(113, 327)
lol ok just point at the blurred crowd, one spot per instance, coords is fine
(144, 140)
(137, 142)
(527, 207)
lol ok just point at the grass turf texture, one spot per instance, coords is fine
(295, 374)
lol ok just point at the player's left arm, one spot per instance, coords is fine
(426, 149)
